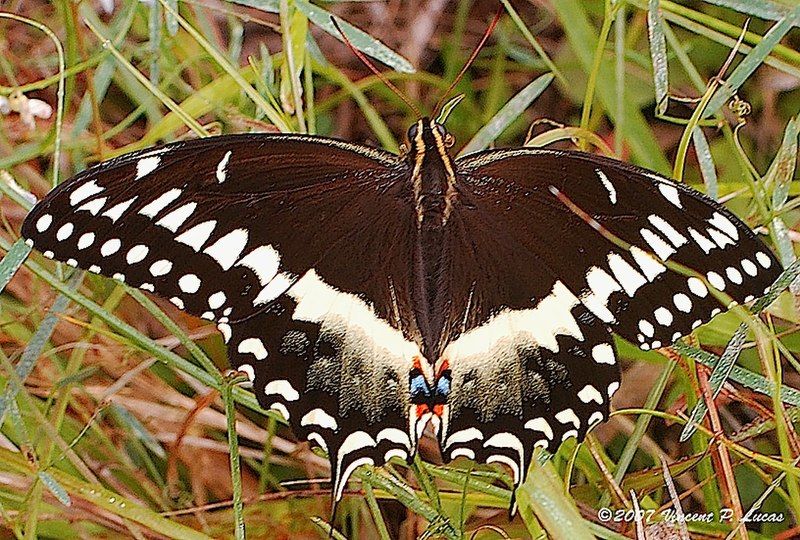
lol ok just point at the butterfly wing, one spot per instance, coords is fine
(661, 220)
(289, 243)
(537, 290)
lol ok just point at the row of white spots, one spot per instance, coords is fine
(189, 283)
(684, 304)
(626, 278)
(226, 251)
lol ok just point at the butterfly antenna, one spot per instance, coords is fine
(472, 58)
(366, 61)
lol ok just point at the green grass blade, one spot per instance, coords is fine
(582, 38)
(360, 39)
(507, 114)
(707, 169)
(124, 417)
(658, 55)
(101, 497)
(233, 448)
(198, 353)
(12, 261)
(533, 42)
(541, 498)
(322, 18)
(720, 374)
(781, 172)
(274, 116)
(38, 341)
(407, 498)
(55, 488)
(190, 122)
(752, 61)
(766, 9)
(172, 22)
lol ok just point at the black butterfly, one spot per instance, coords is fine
(366, 293)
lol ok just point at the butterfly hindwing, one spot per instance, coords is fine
(339, 374)
(528, 378)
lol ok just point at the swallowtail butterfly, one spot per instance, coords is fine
(366, 294)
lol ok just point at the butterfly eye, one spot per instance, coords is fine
(412, 132)
(449, 140)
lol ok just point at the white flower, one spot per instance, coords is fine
(28, 109)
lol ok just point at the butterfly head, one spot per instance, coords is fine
(426, 135)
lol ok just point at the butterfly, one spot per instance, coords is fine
(367, 294)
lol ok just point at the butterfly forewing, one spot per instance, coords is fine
(630, 289)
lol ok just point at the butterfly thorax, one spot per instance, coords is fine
(433, 185)
(432, 172)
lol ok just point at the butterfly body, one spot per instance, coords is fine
(366, 294)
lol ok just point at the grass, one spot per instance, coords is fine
(117, 416)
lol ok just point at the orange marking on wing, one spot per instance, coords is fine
(417, 363)
(422, 409)
(444, 367)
